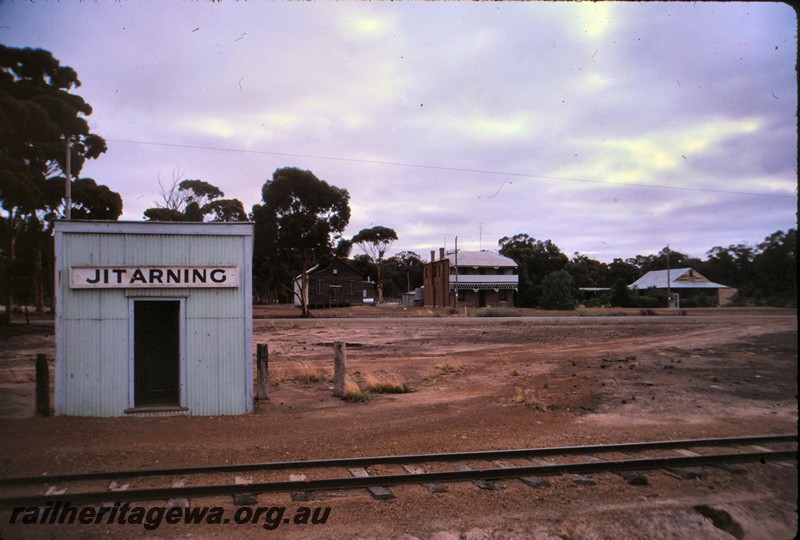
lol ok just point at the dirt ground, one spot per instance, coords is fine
(479, 383)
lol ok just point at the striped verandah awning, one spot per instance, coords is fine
(483, 286)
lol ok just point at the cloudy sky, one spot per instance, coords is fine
(612, 129)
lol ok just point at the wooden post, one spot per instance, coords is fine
(339, 367)
(42, 386)
(262, 356)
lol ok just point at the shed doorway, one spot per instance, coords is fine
(335, 298)
(156, 353)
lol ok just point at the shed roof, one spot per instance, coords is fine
(214, 228)
(481, 258)
(319, 268)
(679, 278)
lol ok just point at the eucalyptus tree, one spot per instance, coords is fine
(535, 259)
(300, 219)
(402, 273)
(375, 242)
(41, 122)
(195, 200)
(558, 291)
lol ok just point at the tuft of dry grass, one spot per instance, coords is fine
(386, 383)
(527, 397)
(302, 371)
(450, 365)
(353, 392)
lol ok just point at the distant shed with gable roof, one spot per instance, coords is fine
(683, 279)
(337, 284)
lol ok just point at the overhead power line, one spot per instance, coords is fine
(453, 169)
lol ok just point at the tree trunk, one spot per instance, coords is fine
(38, 278)
(262, 357)
(380, 284)
(42, 386)
(304, 284)
(12, 245)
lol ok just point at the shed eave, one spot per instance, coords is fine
(238, 228)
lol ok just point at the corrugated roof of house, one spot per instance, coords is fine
(481, 258)
(318, 268)
(679, 278)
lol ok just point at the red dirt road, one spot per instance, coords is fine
(479, 383)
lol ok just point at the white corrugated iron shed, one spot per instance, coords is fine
(153, 318)
(679, 278)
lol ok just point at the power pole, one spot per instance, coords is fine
(68, 174)
(456, 306)
(669, 290)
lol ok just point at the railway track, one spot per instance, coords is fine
(377, 474)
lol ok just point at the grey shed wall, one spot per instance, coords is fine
(94, 327)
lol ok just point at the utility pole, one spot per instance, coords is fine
(68, 174)
(456, 306)
(669, 290)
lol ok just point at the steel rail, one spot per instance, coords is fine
(149, 494)
(406, 459)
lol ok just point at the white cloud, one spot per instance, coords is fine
(688, 96)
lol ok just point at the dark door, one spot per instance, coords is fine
(156, 353)
(481, 298)
(335, 298)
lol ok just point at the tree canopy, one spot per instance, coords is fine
(195, 200)
(90, 200)
(764, 274)
(557, 291)
(38, 114)
(620, 294)
(402, 273)
(535, 259)
(296, 226)
(375, 242)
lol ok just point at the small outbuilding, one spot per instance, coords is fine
(336, 285)
(153, 318)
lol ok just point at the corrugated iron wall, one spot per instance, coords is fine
(93, 358)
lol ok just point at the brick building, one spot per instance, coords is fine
(482, 279)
